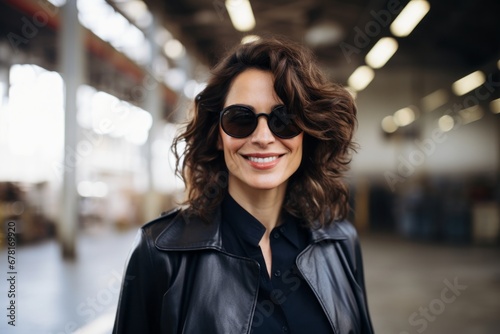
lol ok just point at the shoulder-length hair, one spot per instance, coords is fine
(324, 111)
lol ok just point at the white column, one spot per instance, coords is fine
(72, 67)
(153, 104)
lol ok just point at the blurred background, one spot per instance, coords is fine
(93, 91)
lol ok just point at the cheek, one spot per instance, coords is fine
(296, 143)
(229, 144)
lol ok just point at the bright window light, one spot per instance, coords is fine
(98, 16)
(409, 17)
(164, 160)
(468, 83)
(107, 115)
(92, 189)
(361, 78)
(32, 125)
(241, 14)
(381, 52)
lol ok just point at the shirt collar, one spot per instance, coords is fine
(251, 230)
(244, 224)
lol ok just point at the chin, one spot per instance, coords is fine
(264, 184)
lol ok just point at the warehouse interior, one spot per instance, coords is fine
(92, 93)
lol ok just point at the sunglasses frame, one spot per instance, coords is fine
(242, 106)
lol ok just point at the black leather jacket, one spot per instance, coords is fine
(179, 279)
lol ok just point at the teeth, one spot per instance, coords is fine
(262, 160)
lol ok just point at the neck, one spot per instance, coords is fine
(264, 204)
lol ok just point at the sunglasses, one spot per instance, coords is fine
(240, 121)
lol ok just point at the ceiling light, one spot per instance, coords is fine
(409, 17)
(471, 114)
(435, 100)
(468, 83)
(324, 34)
(137, 11)
(361, 78)
(174, 49)
(162, 35)
(241, 14)
(175, 78)
(446, 123)
(58, 3)
(388, 124)
(352, 91)
(404, 117)
(495, 106)
(249, 39)
(381, 52)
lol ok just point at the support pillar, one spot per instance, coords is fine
(153, 104)
(72, 67)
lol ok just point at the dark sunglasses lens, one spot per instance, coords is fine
(238, 121)
(281, 123)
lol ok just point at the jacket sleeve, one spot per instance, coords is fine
(139, 305)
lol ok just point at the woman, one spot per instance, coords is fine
(262, 246)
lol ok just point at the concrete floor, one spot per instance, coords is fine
(412, 287)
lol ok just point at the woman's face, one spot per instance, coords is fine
(261, 160)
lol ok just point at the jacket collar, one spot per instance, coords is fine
(190, 232)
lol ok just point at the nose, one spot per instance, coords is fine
(262, 135)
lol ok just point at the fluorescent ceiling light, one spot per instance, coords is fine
(174, 49)
(404, 117)
(241, 14)
(471, 114)
(352, 91)
(446, 123)
(435, 100)
(361, 78)
(388, 124)
(495, 106)
(249, 39)
(381, 52)
(137, 11)
(58, 3)
(468, 83)
(409, 17)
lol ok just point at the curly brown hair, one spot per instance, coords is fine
(325, 112)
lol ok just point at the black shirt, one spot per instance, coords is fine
(285, 303)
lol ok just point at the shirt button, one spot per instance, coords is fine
(284, 329)
(282, 229)
(276, 235)
(277, 273)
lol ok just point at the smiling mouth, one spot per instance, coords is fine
(262, 160)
